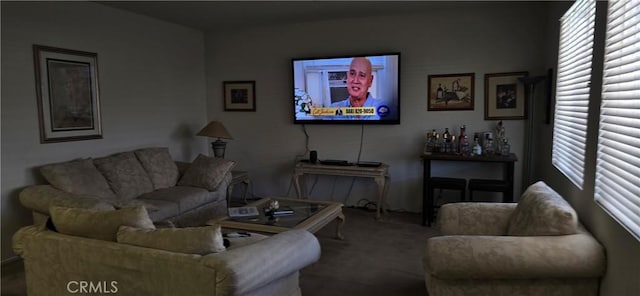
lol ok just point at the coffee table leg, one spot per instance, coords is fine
(340, 224)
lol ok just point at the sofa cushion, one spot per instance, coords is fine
(186, 197)
(542, 211)
(78, 176)
(206, 172)
(125, 175)
(98, 224)
(159, 165)
(190, 240)
(161, 210)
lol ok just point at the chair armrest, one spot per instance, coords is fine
(514, 257)
(40, 197)
(247, 268)
(475, 218)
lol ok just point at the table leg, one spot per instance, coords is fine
(296, 182)
(340, 221)
(427, 197)
(381, 181)
(509, 171)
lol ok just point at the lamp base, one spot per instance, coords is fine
(219, 147)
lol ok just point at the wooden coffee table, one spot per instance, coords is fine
(309, 215)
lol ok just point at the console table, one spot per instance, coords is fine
(379, 174)
(427, 199)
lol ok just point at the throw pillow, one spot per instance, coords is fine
(159, 165)
(542, 211)
(98, 224)
(125, 174)
(189, 240)
(78, 176)
(206, 172)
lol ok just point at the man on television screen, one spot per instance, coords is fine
(359, 80)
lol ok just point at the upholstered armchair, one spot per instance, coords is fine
(535, 247)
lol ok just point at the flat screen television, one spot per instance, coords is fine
(356, 89)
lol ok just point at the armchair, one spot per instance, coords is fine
(536, 247)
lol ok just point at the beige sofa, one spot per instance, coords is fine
(536, 247)
(186, 194)
(59, 264)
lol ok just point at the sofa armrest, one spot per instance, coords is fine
(253, 266)
(40, 197)
(514, 257)
(475, 218)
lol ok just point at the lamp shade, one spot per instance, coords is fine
(215, 129)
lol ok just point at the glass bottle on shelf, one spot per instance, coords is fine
(464, 148)
(461, 137)
(446, 141)
(505, 148)
(488, 145)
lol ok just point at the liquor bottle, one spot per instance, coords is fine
(488, 145)
(439, 92)
(505, 149)
(464, 148)
(462, 136)
(446, 141)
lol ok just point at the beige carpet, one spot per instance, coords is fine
(375, 258)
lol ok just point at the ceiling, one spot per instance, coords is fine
(214, 15)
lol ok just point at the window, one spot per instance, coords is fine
(572, 90)
(618, 157)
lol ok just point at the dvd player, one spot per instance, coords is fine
(335, 162)
(373, 164)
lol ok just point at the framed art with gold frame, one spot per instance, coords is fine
(450, 92)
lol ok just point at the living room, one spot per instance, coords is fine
(161, 82)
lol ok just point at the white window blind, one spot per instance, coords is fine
(618, 161)
(572, 90)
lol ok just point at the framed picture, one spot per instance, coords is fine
(67, 92)
(505, 96)
(450, 92)
(239, 95)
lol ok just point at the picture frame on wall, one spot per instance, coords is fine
(239, 95)
(449, 92)
(505, 96)
(68, 94)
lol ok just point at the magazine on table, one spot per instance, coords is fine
(243, 212)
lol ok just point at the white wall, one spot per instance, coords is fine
(151, 76)
(449, 38)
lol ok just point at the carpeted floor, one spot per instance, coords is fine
(375, 258)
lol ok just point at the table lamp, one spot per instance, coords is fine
(216, 129)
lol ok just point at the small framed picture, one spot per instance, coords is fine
(239, 95)
(450, 92)
(67, 92)
(505, 96)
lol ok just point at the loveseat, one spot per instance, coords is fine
(534, 247)
(180, 193)
(122, 252)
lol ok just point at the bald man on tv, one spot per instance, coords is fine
(359, 80)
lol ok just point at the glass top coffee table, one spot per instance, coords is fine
(309, 215)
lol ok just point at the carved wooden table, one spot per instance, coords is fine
(379, 174)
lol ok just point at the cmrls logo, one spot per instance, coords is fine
(90, 287)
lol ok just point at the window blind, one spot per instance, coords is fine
(618, 157)
(572, 90)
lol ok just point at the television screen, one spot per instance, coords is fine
(358, 89)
